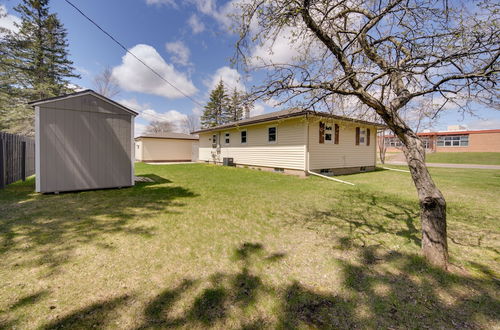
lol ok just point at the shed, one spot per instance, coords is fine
(83, 141)
(166, 147)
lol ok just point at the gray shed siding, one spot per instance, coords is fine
(84, 143)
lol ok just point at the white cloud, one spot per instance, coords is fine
(284, 49)
(161, 2)
(180, 52)
(174, 117)
(230, 77)
(8, 21)
(196, 24)
(484, 124)
(133, 104)
(139, 129)
(132, 75)
(258, 109)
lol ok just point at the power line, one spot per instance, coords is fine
(129, 52)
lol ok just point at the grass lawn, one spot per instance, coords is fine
(211, 246)
(483, 158)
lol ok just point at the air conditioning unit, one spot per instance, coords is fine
(228, 161)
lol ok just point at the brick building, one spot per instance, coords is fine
(454, 141)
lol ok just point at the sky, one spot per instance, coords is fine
(188, 42)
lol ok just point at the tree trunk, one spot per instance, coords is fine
(432, 204)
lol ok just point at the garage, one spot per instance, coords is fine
(166, 147)
(83, 141)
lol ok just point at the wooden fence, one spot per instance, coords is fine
(17, 158)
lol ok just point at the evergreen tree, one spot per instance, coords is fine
(235, 106)
(215, 112)
(34, 64)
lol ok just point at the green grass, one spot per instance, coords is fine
(482, 158)
(211, 246)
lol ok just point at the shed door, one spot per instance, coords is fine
(194, 151)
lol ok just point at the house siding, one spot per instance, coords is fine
(346, 154)
(156, 149)
(288, 151)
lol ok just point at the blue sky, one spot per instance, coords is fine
(188, 42)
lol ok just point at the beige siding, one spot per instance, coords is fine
(287, 152)
(344, 154)
(153, 149)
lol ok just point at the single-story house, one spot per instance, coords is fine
(83, 141)
(453, 141)
(293, 141)
(166, 147)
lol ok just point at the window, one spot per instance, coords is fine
(393, 142)
(453, 141)
(362, 134)
(227, 138)
(137, 146)
(426, 143)
(272, 134)
(214, 141)
(326, 133)
(243, 137)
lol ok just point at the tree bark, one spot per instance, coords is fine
(432, 203)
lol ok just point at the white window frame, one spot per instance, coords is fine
(453, 141)
(275, 134)
(227, 138)
(246, 136)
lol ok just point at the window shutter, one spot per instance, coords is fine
(337, 131)
(367, 136)
(357, 136)
(321, 132)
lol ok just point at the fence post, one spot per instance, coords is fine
(23, 160)
(2, 163)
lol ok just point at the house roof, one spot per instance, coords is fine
(288, 113)
(80, 93)
(169, 135)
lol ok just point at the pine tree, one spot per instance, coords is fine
(215, 112)
(36, 64)
(235, 107)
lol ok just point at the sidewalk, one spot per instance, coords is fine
(476, 166)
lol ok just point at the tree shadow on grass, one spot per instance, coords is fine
(97, 315)
(366, 217)
(379, 289)
(47, 228)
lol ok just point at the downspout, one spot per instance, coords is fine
(306, 165)
(330, 178)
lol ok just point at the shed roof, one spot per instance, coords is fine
(288, 113)
(168, 135)
(81, 93)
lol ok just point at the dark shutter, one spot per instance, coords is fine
(367, 136)
(357, 136)
(321, 132)
(337, 131)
